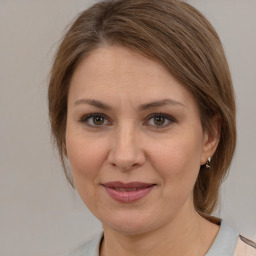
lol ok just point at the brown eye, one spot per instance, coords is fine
(159, 120)
(98, 120)
(95, 120)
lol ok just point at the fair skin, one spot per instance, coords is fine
(129, 120)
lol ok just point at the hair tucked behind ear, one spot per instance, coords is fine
(177, 36)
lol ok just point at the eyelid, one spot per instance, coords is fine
(166, 116)
(86, 117)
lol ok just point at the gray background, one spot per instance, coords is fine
(40, 214)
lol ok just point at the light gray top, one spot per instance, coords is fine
(90, 248)
(224, 244)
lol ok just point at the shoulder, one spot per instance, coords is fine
(245, 247)
(225, 241)
(90, 248)
(228, 242)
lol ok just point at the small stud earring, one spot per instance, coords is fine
(208, 166)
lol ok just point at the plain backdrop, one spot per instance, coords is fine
(40, 215)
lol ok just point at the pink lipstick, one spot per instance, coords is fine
(128, 192)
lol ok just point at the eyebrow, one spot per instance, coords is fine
(95, 103)
(154, 104)
(161, 103)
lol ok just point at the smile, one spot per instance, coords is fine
(128, 192)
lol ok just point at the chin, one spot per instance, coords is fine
(128, 228)
(130, 223)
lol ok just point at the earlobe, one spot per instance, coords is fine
(211, 139)
(208, 163)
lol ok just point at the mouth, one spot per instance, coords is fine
(128, 192)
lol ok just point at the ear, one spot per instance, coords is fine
(211, 138)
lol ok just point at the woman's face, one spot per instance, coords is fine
(134, 141)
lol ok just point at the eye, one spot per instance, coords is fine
(160, 120)
(95, 120)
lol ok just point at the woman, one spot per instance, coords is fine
(142, 107)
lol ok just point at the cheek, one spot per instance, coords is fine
(178, 162)
(86, 157)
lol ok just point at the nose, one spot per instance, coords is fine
(126, 150)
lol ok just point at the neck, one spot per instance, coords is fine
(186, 235)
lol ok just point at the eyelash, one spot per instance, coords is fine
(85, 120)
(166, 117)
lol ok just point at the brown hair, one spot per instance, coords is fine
(174, 34)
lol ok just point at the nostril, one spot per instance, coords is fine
(126, 156)
(125, 166)
(125, 163)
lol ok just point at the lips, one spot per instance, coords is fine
(128, 192)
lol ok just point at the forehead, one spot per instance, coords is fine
(115, 71)
(110, 61)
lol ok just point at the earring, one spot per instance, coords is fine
(208, 166)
